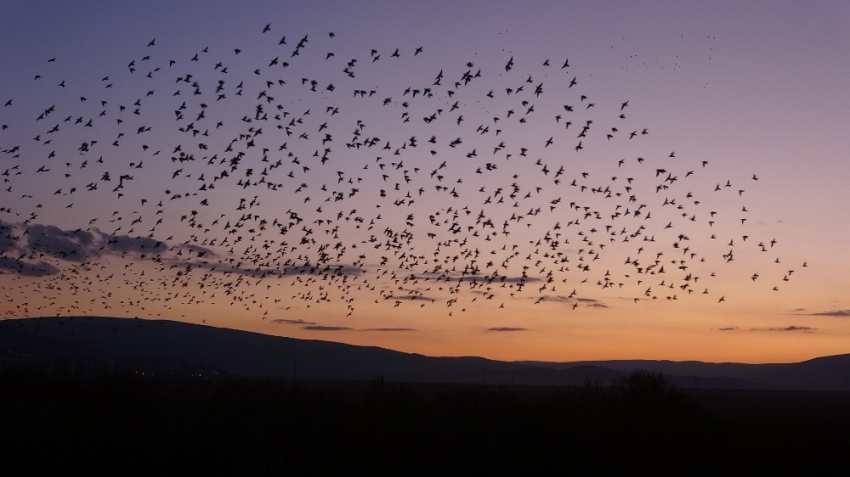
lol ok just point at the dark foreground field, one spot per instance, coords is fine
(125, 424)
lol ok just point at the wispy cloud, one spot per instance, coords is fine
(39, 269)
(838, 313)
(555, 298)
(326, 328)
(78, 245)
(201, 251)
(454, 276)
(20, 243)
(411, 297)
(587, 302)
(7, 240)
(311, 326)
(804, 329)
(334, 269)
(505, 329)
(282, 321)
(262, 271)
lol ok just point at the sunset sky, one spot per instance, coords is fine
(457, 190)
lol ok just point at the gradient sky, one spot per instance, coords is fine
(755, 90)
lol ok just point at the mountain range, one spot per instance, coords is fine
(94, 345)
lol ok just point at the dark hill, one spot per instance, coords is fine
(100, 344)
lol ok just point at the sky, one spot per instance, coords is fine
(553, 181)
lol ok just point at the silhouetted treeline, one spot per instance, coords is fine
(126, 424)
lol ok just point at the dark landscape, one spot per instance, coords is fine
(93, 346)
(100, 392)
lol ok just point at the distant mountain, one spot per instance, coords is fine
(101, 344)
(825, 373)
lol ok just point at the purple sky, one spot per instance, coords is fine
(755, 90)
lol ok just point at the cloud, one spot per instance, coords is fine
(326, 328)
(335, 269)
(838, 313)
(282, 321)
(412, 297)
(248, 272)
(505, 329)
(69, 245)
(559, 298)
(7, 240)
(39, 269)
(728, 328)
(555, 298)
(222, 266)
(486, 278)
(75, 246)
(201, 251)
(805, 329)
(589, 302)
(125, 243)
(314, 327)
(518, 279)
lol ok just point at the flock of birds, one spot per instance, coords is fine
(291, 175)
